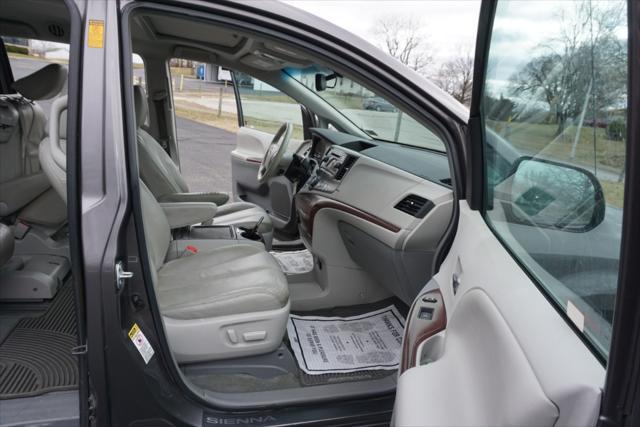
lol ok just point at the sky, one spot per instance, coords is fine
(449, 26)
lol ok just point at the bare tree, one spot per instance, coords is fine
(582, 68)
(455, 76)
(401, 37)
(40, 48)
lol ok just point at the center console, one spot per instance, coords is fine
(331, 170)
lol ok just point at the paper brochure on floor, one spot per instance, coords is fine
(329, 345)
(294, 262)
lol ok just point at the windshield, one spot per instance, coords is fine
(373, 114)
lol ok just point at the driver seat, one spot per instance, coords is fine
(162, 177)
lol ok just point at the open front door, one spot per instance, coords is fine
(262, 109)
(516, 326)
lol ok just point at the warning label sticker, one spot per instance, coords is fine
(142, 344)
(325, 345)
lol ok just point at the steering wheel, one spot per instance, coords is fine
(275, 152)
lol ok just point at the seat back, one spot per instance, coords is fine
(6, 244)
(156, 228)
(53, 150)
(22, 129)
(53, 159)
(157, 169)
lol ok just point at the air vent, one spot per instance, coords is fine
(346, 165)
(415, 206)
(56, 30)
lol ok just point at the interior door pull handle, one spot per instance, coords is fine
(455, 283)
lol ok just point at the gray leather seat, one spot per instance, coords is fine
(6, 244)
(24, 189)
(162, 177)
(28, 276)
(228, 300)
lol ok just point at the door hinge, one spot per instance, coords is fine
(121, 276)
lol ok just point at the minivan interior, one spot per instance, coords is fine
(368, 210)
(38, 324)
(238, 213)
(371, 212)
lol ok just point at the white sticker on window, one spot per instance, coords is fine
(141, 343)
(575, 315)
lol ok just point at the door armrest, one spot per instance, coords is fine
(217, 198)
(188, 213)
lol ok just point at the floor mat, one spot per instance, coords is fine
(347, 345)
(294, 262)
(36, 356)
(311, 380)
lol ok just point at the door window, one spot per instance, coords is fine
(29, 55)
(554, 111)
(206, 123)
(266, 108)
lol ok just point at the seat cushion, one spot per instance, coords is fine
(243, 214)
(226, 281)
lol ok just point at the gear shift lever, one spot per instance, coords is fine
(252, 233)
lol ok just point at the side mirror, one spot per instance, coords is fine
(554, 195)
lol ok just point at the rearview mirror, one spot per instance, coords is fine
(322, 79)
(555, 195)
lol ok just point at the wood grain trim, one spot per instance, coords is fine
(438, 324)
(308, 205)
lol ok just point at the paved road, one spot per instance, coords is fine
(205, 155)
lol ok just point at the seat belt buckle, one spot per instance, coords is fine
(20, 230)
(189, 250)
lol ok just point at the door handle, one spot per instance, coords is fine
(455, 283)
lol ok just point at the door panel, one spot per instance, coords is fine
(276, 196)
(262, 110)
(507, 356)
(246, 158)
(529, 282)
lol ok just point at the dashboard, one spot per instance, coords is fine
(372, 206)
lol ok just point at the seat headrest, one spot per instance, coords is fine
(45, 83)
(140, 101)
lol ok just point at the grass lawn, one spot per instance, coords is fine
(539, 139)
(227, 121)
(23, 56)
(198, 113)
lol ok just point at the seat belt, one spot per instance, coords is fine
(28, 153)
(159, 100)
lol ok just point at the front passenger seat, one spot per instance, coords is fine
(231, 301)
(162, 177)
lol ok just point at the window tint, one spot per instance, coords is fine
(554, 111)
(266, 108)
(27, 56)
